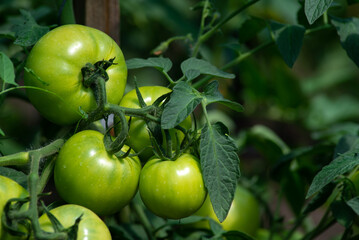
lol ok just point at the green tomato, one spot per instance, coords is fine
(91, 227)
(9, 189)
(243, 215)
(172, 189)
(85, 174)
(139, 138)
(55, 64)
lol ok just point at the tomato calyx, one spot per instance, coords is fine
(70, 232)
(91, 72)
(15, 226)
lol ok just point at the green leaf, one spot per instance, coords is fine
(342, 213)
(236, 235)
(319, 199)
(7, 72)
(28, 33)
(220, 167)
(212, 95)
(289, 40)
(2, 132)
(340, 165)
(184, 99)
(8, 35)
(193, 67)
(17, 176)
(348, 31)
(315, 8)
(215, 227)
(160, 63)
(354, 204)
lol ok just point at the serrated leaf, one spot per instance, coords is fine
(184, 99)
(289, 40)
(212, 95)
(348, 31)
(160, 63)
(220, 167)
(315, 8)
(7, 72)
(203, 67)
(354, 204)
(28, 33)
(340, 165)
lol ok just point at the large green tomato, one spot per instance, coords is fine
(243, 215)
(172, 189)
(55, 64)
(91, 227)
(85, 174)
(138, 134)
(9, 189)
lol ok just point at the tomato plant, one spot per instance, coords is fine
(293, 144)
(244, 214)
(139, 138)
(55, 63)
(87, 175)
(9, 189)
(91, 227)
(172, 189)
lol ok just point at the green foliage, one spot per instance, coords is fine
(28, 33)
(220, 166)
(315, 9)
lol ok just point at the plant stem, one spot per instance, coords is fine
(203, 37)
(66, 11)
(33, 182)
(144, 220)
(15, 159)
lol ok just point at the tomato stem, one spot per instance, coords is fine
(204, 36)
(33, 183)
(16, 159)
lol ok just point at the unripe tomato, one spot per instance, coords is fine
(139, 138)
(91, 227)
(86, 174)
(243, 215)
(172, 189)
(9, 189)
(55, 63)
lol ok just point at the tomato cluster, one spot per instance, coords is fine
(93, 180)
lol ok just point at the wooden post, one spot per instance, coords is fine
(100, 14)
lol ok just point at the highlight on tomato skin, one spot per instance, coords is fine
(85, 174)
(57, 73)
(172, 189)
